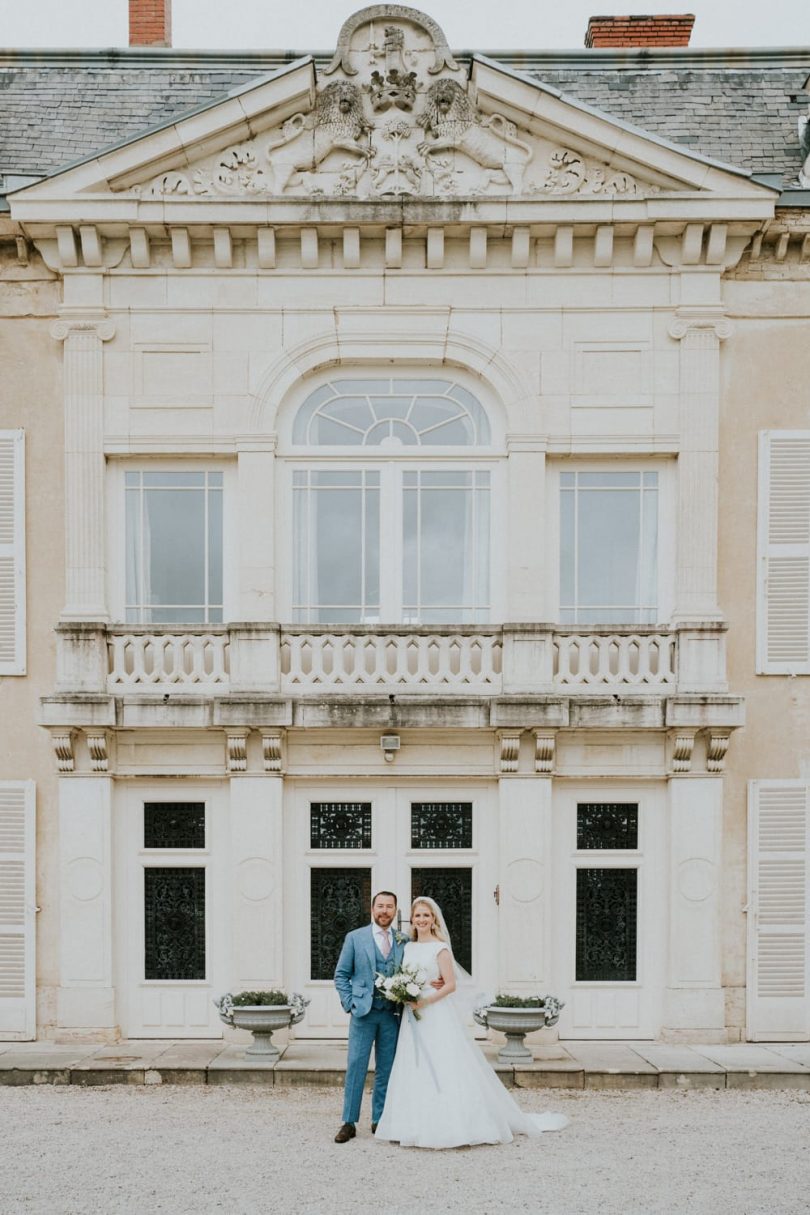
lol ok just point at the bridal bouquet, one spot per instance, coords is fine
(404, 986)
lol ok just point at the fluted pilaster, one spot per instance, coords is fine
(700, 333)
(84, 465)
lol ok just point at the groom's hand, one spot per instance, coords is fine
(438, 984)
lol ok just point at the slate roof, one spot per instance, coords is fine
(736, 106)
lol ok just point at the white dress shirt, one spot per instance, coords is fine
(383, 937)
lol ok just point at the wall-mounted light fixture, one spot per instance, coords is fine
(389, 744)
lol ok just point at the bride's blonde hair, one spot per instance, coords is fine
(435, 931)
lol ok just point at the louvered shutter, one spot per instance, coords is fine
(17, 911)
(783, 615)
(12, 552)
(779, 824)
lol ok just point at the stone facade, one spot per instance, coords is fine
(392, 231)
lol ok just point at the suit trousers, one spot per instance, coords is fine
(380, 1029)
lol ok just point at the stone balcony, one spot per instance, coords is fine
(245, 676)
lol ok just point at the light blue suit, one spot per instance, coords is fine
(373, 1019)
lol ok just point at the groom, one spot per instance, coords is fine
(376, 948)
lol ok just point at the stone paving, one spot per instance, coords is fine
(572, 1065)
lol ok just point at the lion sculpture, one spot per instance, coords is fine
(336, 125)
(451, 124)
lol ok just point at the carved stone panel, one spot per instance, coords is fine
(395, 116)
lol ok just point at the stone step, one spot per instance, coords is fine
(580, 1064)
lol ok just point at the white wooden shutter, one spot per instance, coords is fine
(17, 911)
(12, 552)
(783, 612)
(779, 825)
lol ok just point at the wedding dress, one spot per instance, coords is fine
(442, 1092)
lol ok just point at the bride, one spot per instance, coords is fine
(442, 1092)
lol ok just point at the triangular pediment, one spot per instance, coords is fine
(395, 116)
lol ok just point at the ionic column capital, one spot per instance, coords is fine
(700, 324)
(100, 327)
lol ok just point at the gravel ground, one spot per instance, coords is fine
(70, 1151)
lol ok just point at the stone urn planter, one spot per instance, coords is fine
(262, 1013)
(262, 1021)
(517, 1016)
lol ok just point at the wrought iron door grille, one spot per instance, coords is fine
(452, 890)
(606, 925)
(174, 923)
(340, 901)
(340, 825)
(607, 825)
(174, 825)
(441, 825)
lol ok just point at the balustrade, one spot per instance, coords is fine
(303, 660)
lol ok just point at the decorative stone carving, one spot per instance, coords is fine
(337, 125)
(716, 748)
(237, 750)
(393, 117)
(682, 748)
(62, 741)
(510, 751)
(570, 173)
(342, 57)
(97, 746)
(452, 125)
(271, 751)
(544, 748)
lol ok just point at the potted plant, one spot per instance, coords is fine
(517, 1016)
(262, 1012)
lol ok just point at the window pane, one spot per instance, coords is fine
(608, 547)
(174, 825)
(174, 924)
(340, 825)
(441, 825)
(340, 901)
(133, 552)
(430, 411)
(372, 551)
(568, 547)
(174, 546)
(607, 825)
(452, 890)
(446, 547)
(338, 556)
(173, 479)
(215, 547)
(606, 925)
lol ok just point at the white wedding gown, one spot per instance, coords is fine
(442, 1092)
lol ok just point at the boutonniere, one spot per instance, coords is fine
(400, 938)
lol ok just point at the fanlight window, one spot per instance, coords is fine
(391, 413)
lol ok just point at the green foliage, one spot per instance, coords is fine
(263, 998)
(502, 1001)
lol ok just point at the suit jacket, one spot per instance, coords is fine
(357, 968)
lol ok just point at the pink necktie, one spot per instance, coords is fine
(386, 945)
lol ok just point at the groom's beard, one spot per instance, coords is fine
(383, 920)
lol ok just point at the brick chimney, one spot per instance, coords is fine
(663, 29)
(150, 22)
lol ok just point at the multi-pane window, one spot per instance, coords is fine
(607, 894)
(173, 547)
(391, 412)
(336, 523)
(445, 546)
(608, 547)
(399, 540)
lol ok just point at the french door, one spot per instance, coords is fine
(610, 906)
(172, 911)
(345, 842)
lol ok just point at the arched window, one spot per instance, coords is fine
(395, 526)
(391, 413)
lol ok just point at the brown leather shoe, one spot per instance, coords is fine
(374, 1128)
(346, 1132)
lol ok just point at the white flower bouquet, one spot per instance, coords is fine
(403, 987)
